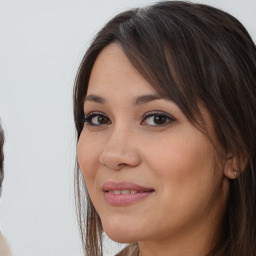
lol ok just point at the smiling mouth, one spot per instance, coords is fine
(124, 194)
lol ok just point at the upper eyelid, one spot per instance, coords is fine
(156, 112)
(94, 113)
(86, 117)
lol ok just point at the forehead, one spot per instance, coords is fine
(112, 70)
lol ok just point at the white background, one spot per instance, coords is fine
(41, 45)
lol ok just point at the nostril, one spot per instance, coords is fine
(114, 166)
(117, 156)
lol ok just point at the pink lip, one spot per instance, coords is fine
(124, 199)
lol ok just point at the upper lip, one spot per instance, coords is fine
(110, 186)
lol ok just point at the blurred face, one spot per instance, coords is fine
(149, 172)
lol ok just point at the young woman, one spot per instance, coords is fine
(165, 112)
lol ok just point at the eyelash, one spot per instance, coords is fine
(88, 118)
(168, 118)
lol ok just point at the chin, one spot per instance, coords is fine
(121, 233)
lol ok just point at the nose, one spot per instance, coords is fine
(120, 150)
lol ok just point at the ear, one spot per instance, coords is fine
(231, 168)
(234, 166)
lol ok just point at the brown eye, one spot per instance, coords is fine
(157, 119)
(97, 119)
(160, 119)
(100, 120)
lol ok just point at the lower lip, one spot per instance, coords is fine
(125, 199)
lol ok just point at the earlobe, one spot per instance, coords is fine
(231, 168)
(235, 173)
(231, 173)
(235, 167)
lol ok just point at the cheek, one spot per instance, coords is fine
(87, 155)
(186, 178)
(184, 167)
(180, 157)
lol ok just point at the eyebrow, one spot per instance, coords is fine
(138, 101)
(146, 98)
(95, 98)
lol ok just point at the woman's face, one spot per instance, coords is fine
(149, 172)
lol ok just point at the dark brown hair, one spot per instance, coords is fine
(1, 157)
(195, 55)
